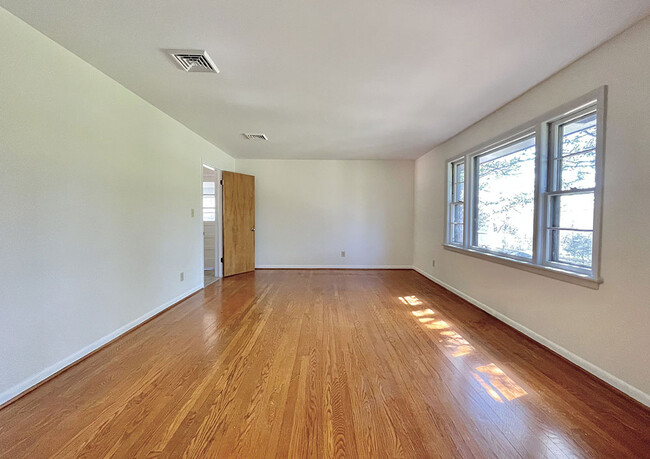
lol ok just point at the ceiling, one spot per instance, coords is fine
(332, 79)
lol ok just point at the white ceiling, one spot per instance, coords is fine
(331, 79)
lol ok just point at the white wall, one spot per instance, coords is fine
(608, 328)
(96, 188)
(308, 211)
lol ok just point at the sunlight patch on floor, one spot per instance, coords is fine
(423, 312)
(491, 378)
(411, 300)
(508, 388)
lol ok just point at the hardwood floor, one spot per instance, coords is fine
(324, 364)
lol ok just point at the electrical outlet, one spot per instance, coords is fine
(192, 212)
(342, 253)
(182, 277)
(433, 263)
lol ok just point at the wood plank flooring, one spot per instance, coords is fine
(324, 364)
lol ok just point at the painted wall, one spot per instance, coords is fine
(96, 192)
(308, 211)
(608, 328)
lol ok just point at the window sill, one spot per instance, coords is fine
(554, 273)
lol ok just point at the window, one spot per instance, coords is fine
(505, 195)
(572, 190)
(531, 198)
(209, 202)
(457, 204)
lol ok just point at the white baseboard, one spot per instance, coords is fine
(609, 378)
(334, 267)
(49, 371)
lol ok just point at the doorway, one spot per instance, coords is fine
(212, 226)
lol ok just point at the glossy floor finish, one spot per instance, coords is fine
(324, 364)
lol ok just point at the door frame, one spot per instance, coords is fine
(218, 272)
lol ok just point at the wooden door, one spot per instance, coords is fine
(238, 223)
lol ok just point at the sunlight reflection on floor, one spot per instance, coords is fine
(491, 378)
(422, 312)
(508, 388)
(412, 300)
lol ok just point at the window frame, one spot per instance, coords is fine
(451, 202)
(546, 143)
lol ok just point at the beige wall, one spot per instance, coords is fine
(606, 330)
(308, 211)
(96, 192)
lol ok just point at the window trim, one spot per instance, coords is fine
(540, 262)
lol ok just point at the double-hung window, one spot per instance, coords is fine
(570, 199)
(457, 202)
(531, 198)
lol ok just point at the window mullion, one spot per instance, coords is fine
(539, 222)
(448, 198)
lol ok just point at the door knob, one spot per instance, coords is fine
(252, 229)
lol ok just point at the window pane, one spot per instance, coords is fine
(460, 173)
(578, 135)
(578, 171)
(505, 201)
(574, 211)
(572, 247)
(208, 187)
(459, 192)
(209, 215)
(457, 233)
(457, 213)
(209, 201)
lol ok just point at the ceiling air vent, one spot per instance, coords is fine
(256, 136)
(194, 60)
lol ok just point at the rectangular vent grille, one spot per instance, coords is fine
(256, 136)
(194, 60)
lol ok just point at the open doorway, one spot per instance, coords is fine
(212, 226)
